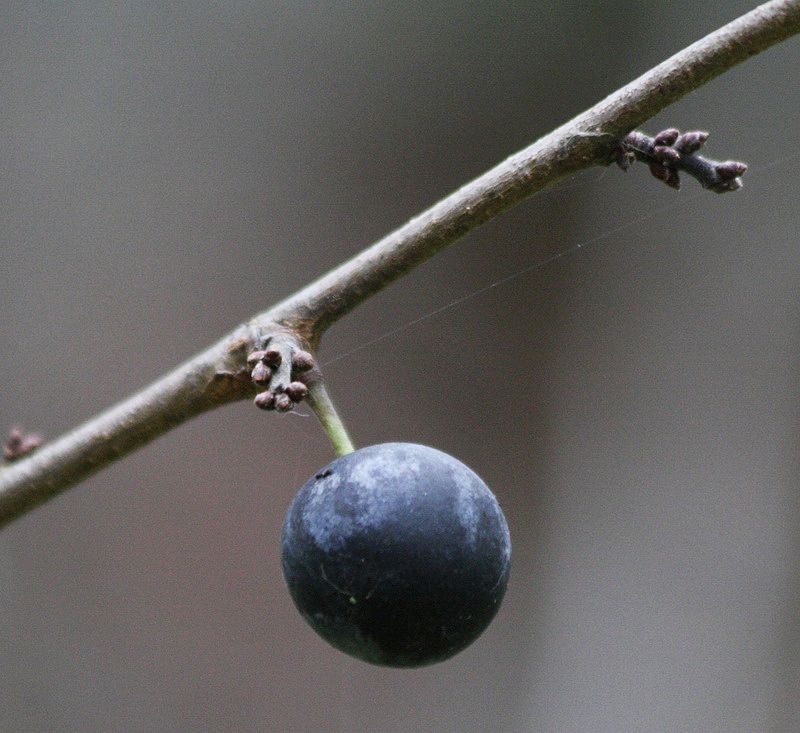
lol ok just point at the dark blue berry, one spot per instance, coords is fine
(397, 554)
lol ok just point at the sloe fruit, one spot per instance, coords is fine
(397, 554)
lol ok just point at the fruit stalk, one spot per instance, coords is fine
(325, 410)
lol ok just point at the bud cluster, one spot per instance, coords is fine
(671, 151)
(280, 395)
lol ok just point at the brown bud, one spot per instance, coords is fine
(691, 142)
(255, 356)
(666, 155)
(722, 186)
(624, 158)
(272, 357)
(20, 444)
(659, 171)
(15, 436)
(667, 137)
(265, 400)
(283, 403)
(730, 169)
(302, 361)
(261, 373)
(673, 180)
(12, 446)
(297, 391)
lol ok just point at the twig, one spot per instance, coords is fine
(220, 374)
(670, 152)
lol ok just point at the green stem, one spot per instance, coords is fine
(325, 410)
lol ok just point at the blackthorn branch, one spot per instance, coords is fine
(221, 373)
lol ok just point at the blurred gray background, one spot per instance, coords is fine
(169, 169)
